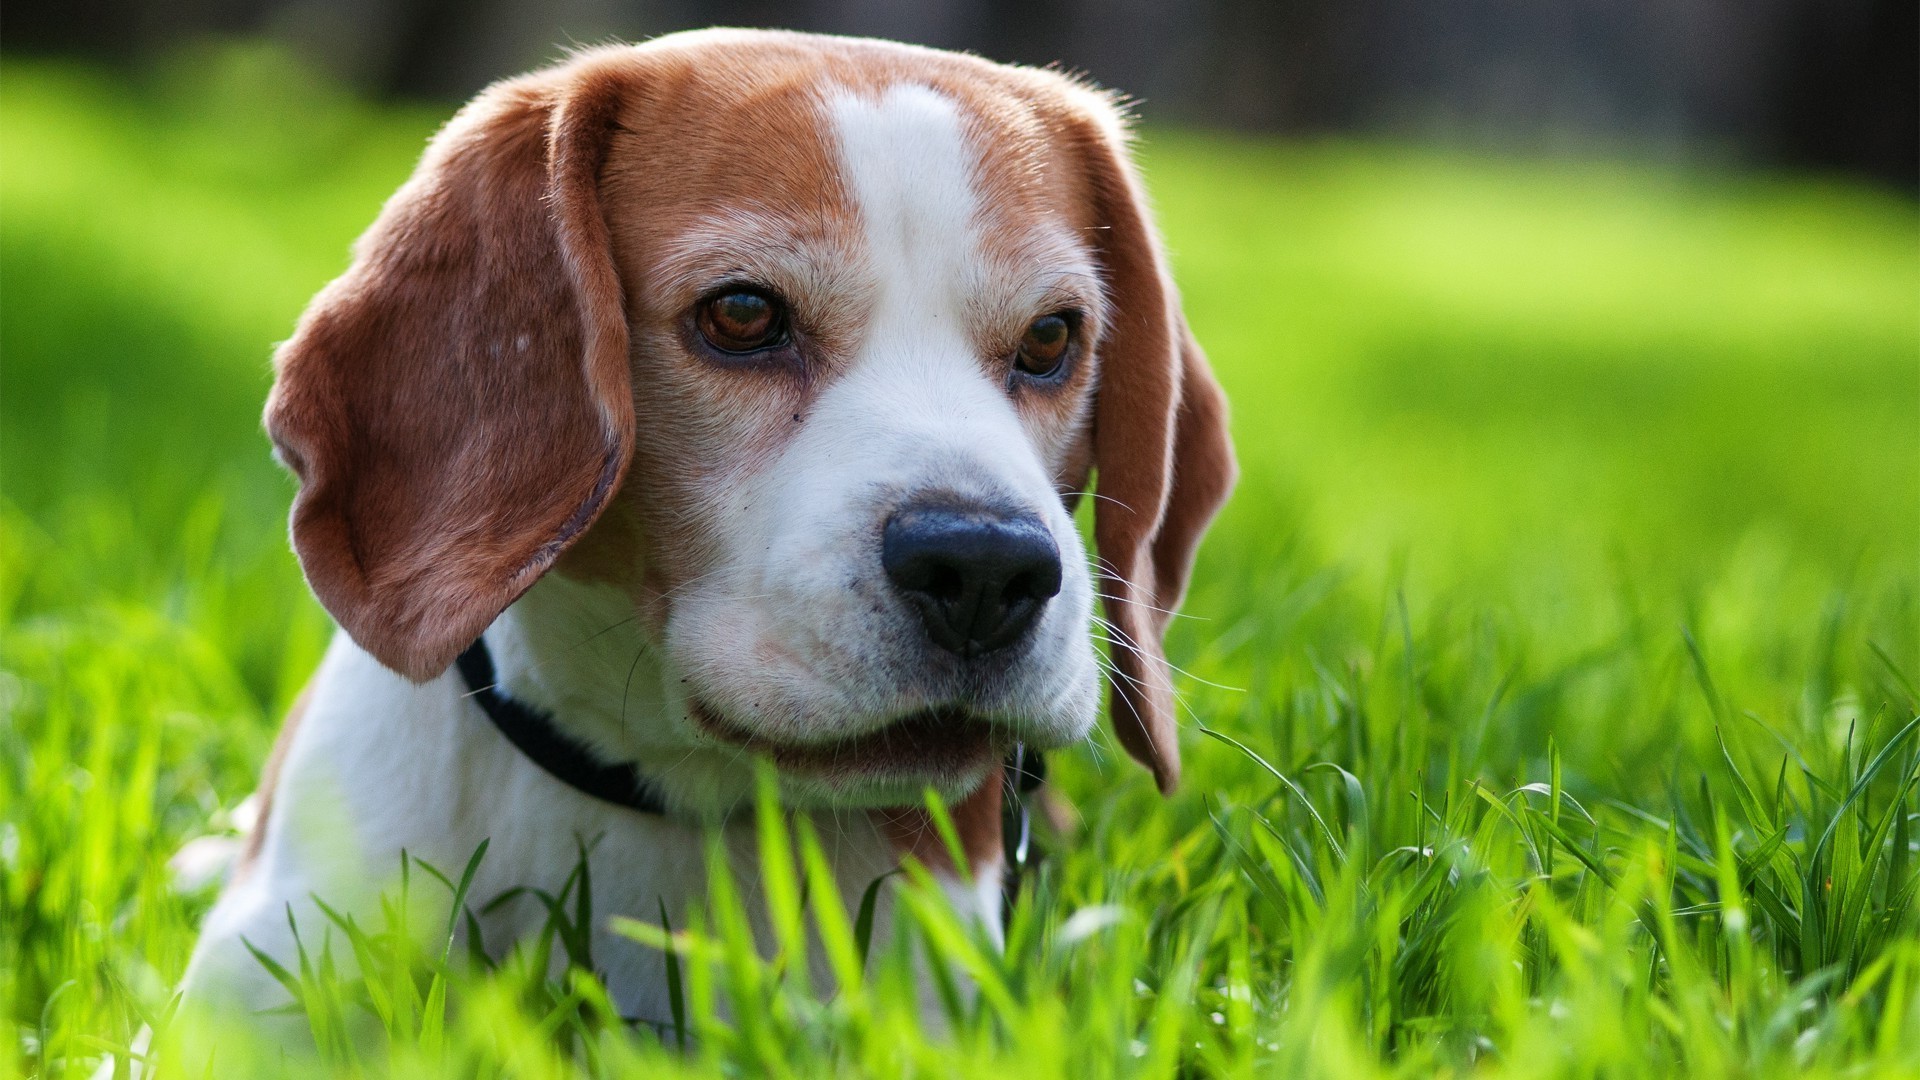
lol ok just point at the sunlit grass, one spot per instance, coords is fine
(1558, 653)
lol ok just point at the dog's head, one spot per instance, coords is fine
(809, 345)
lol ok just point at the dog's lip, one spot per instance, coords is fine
(928, 743)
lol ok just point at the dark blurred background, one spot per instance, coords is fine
(1825, 85)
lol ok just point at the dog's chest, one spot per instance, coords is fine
(380, 766)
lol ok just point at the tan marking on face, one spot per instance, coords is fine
(719, 160)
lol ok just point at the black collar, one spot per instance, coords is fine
(563, 757)
(568, 761)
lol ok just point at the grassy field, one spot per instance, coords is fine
(1562, 641)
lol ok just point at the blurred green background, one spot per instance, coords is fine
(1533, 377)
(1546, 417)
(1479, 366)
(1522, 387)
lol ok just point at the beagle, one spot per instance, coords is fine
(717, 399)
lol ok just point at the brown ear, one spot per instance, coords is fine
(1160, 445)
(457, 405)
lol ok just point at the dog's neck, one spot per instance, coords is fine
(579, 652)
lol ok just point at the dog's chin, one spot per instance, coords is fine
(949, 750)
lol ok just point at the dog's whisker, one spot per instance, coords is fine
(626, 688)
(1091, 494)
(1119, 637)
(1107, 569)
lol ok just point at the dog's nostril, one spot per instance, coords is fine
(945, 583)
(1018, 589)
(978, 578)
(1032, 585)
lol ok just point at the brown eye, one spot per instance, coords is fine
(1044, 347)
(741, 321)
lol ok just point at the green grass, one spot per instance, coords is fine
(1561, 642)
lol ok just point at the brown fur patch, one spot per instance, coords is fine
(456, 405)
(976, 820)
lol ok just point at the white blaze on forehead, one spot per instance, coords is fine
(905, 160)
(918, 387)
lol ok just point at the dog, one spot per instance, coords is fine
(722, 399)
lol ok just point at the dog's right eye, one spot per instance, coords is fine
(741, 321)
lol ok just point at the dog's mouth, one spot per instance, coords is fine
(937, 743)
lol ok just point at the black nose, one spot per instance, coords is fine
(977, 577)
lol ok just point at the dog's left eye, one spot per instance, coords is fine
(1043, 349)
(742, 321)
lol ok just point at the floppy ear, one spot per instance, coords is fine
(457, 405)
(1160, 446)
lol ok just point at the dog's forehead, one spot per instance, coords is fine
(802, 143)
